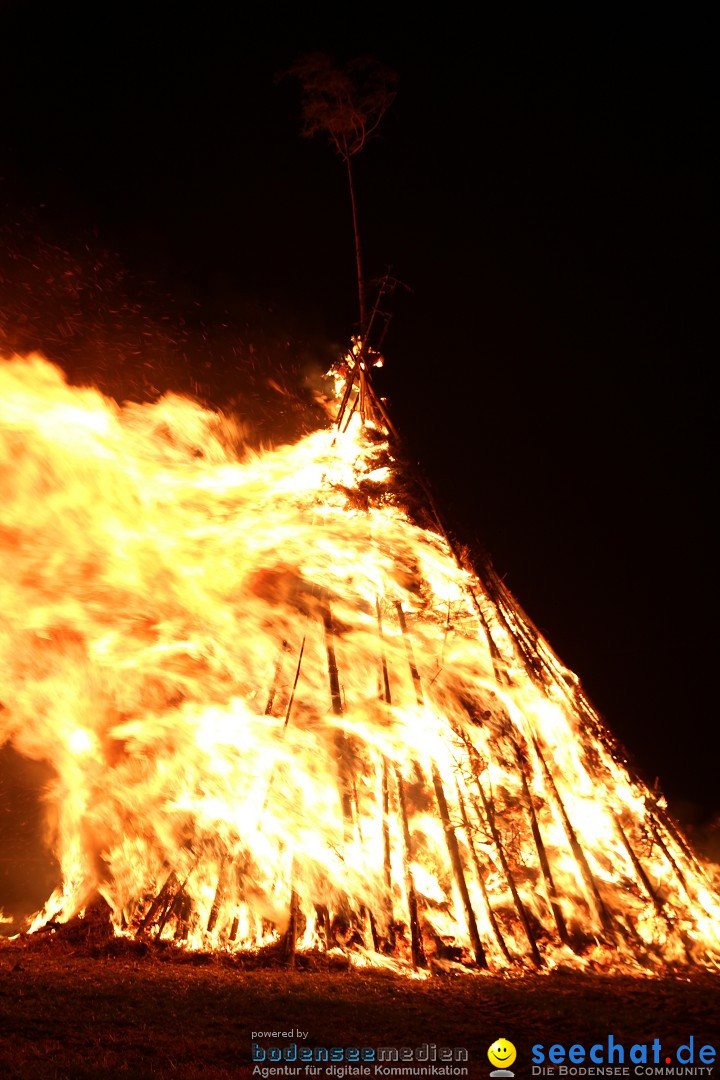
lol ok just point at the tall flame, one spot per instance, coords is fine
(279, 710)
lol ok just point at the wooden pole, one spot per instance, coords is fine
(677, 836)
(161, 901)
(351, 413)
(349, 383)
(670, 858)
(596, 903)
(637, 867)
(448, 829)
(220, 890)
(387, 864)
(481, 881)
(416, 945)
(358, 248)
(276, 679)
(291, 699)
(540, 847)
(386, 697)
(341, 741)
(292, 930)
(507, 872)
(657, 903)
(455, 859)
(541, 851)
(168, 894)
(173, 901)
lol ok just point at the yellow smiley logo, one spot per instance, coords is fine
(502, 1053)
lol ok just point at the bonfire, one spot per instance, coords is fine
(286, 716)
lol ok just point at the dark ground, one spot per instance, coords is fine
(67, 1013)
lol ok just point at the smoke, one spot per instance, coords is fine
(79, 307)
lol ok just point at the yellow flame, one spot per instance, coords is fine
(277, 708)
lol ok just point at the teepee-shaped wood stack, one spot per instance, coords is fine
(284, 714)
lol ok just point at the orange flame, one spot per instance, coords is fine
(279, 710)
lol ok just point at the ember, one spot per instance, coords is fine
(282, 713)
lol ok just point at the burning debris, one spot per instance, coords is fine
(283, 715)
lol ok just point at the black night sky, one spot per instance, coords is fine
(545, 192)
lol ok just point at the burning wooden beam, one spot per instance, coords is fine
(416, 945)
(448, 828)
(490, 914)
(543, 859)
(416, 942)
(488, 817)
(341, 740)
(596, 903)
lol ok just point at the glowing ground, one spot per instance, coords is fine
(67, 1013)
